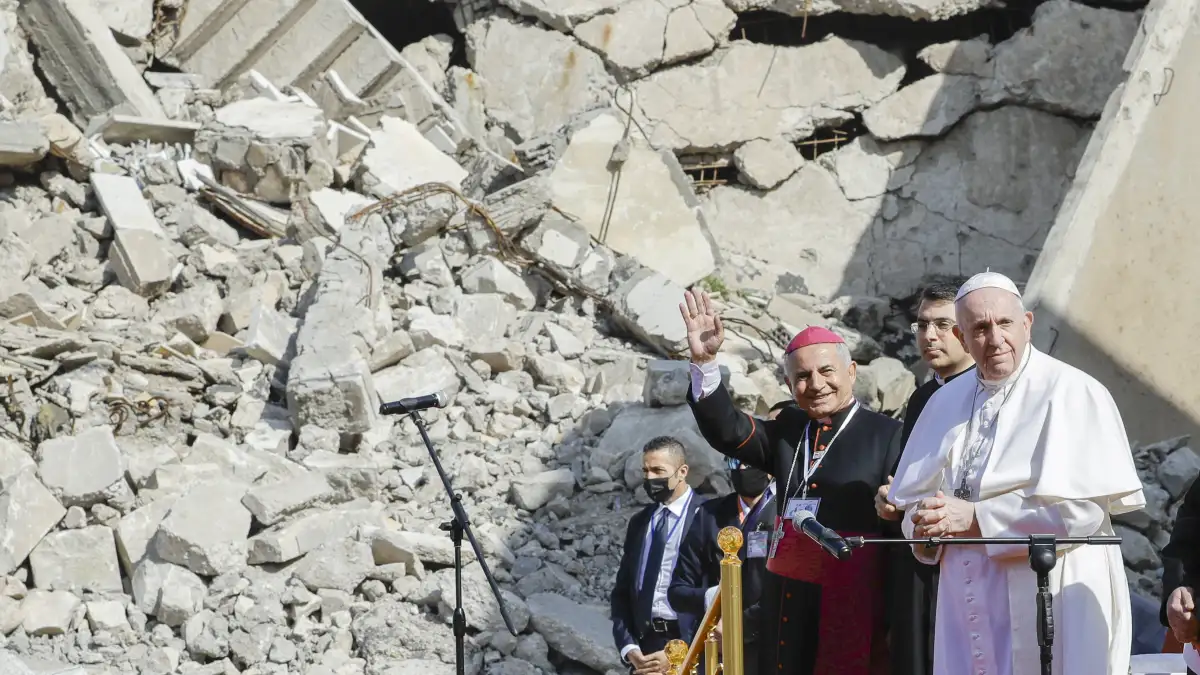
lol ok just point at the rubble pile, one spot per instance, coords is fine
(212, 277)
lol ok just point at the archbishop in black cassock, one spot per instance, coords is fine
(850, 452)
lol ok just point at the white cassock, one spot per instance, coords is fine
(1043, 452)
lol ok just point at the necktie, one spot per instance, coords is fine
(658, 544)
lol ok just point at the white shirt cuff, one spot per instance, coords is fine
(625, 651)
(705, 379)
(709, 596)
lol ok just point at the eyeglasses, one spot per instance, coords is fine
(941, 326)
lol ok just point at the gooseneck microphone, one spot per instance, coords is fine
(414, 403)
(831, 541)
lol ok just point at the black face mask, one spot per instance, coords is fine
(659, 489)
(749, 483)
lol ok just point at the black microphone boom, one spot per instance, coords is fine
(831, 541)
(414, 403)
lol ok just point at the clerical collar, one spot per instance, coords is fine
(943, 380)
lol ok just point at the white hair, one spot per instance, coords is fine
(840, 348)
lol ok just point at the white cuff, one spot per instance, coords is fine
(710, 596)
(706, 378)
(625, 651)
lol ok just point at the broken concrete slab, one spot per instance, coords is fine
(272, 503)
(153, 576)
(122, 202)
(960, 57)
(656, 217)
(572, 628)
(746, 91)
(78, 561)
(291, 539)
(1068, 62)
(193, 312)
(534, 492)
(206, 530)
(84, 469)
(927, 107)
(557, 80)
(266, 148)
(123, 129)
(72, 38)
(425, 372)
(490, 275)
(400, 158)
(49, 612)
(28, 511)
(642, 308)
(765, 164)
(22, 143)
(323, 212)
(135, 531)
(642, 35)
(341, 565)
(269, 336)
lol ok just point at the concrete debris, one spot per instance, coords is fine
(765, 164)
(558, 77)
(655, 210)
(212, 278)
(72, 38)
(22, 143)
(756, 91)
(268, 148)
(642, 35)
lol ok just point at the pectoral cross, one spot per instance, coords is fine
(963, 492)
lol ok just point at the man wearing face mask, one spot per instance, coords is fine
(643, 620)
(750, 507)
(829, 455)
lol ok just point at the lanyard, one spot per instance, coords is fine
(810, 470)
(766, 498)
(650, 535)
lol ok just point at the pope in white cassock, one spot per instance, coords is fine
(1029, 445)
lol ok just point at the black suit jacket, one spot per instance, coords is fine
(624, 593)
(699, 566)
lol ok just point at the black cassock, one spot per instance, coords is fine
(914, 584)
(1181, 556)
(857, 462)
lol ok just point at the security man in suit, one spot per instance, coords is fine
(751, 508)
(642, 617)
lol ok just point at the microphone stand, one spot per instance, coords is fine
(1043, 556)
(457, 527)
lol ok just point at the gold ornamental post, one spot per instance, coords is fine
(730, 541)
(726, 609)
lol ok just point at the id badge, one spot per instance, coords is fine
(795, 506)
(757, 544)
(776, 537)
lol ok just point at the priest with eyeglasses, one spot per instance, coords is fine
(1026, 445)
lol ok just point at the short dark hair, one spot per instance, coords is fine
(668, 444)
(938, 292)
(781, 405)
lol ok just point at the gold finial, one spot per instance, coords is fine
(676, 654)
(730, 541)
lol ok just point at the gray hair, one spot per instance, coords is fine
(840, 348)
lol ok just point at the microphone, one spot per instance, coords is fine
(831, 541)
(414, 403)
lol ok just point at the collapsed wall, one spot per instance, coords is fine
(213, 277)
